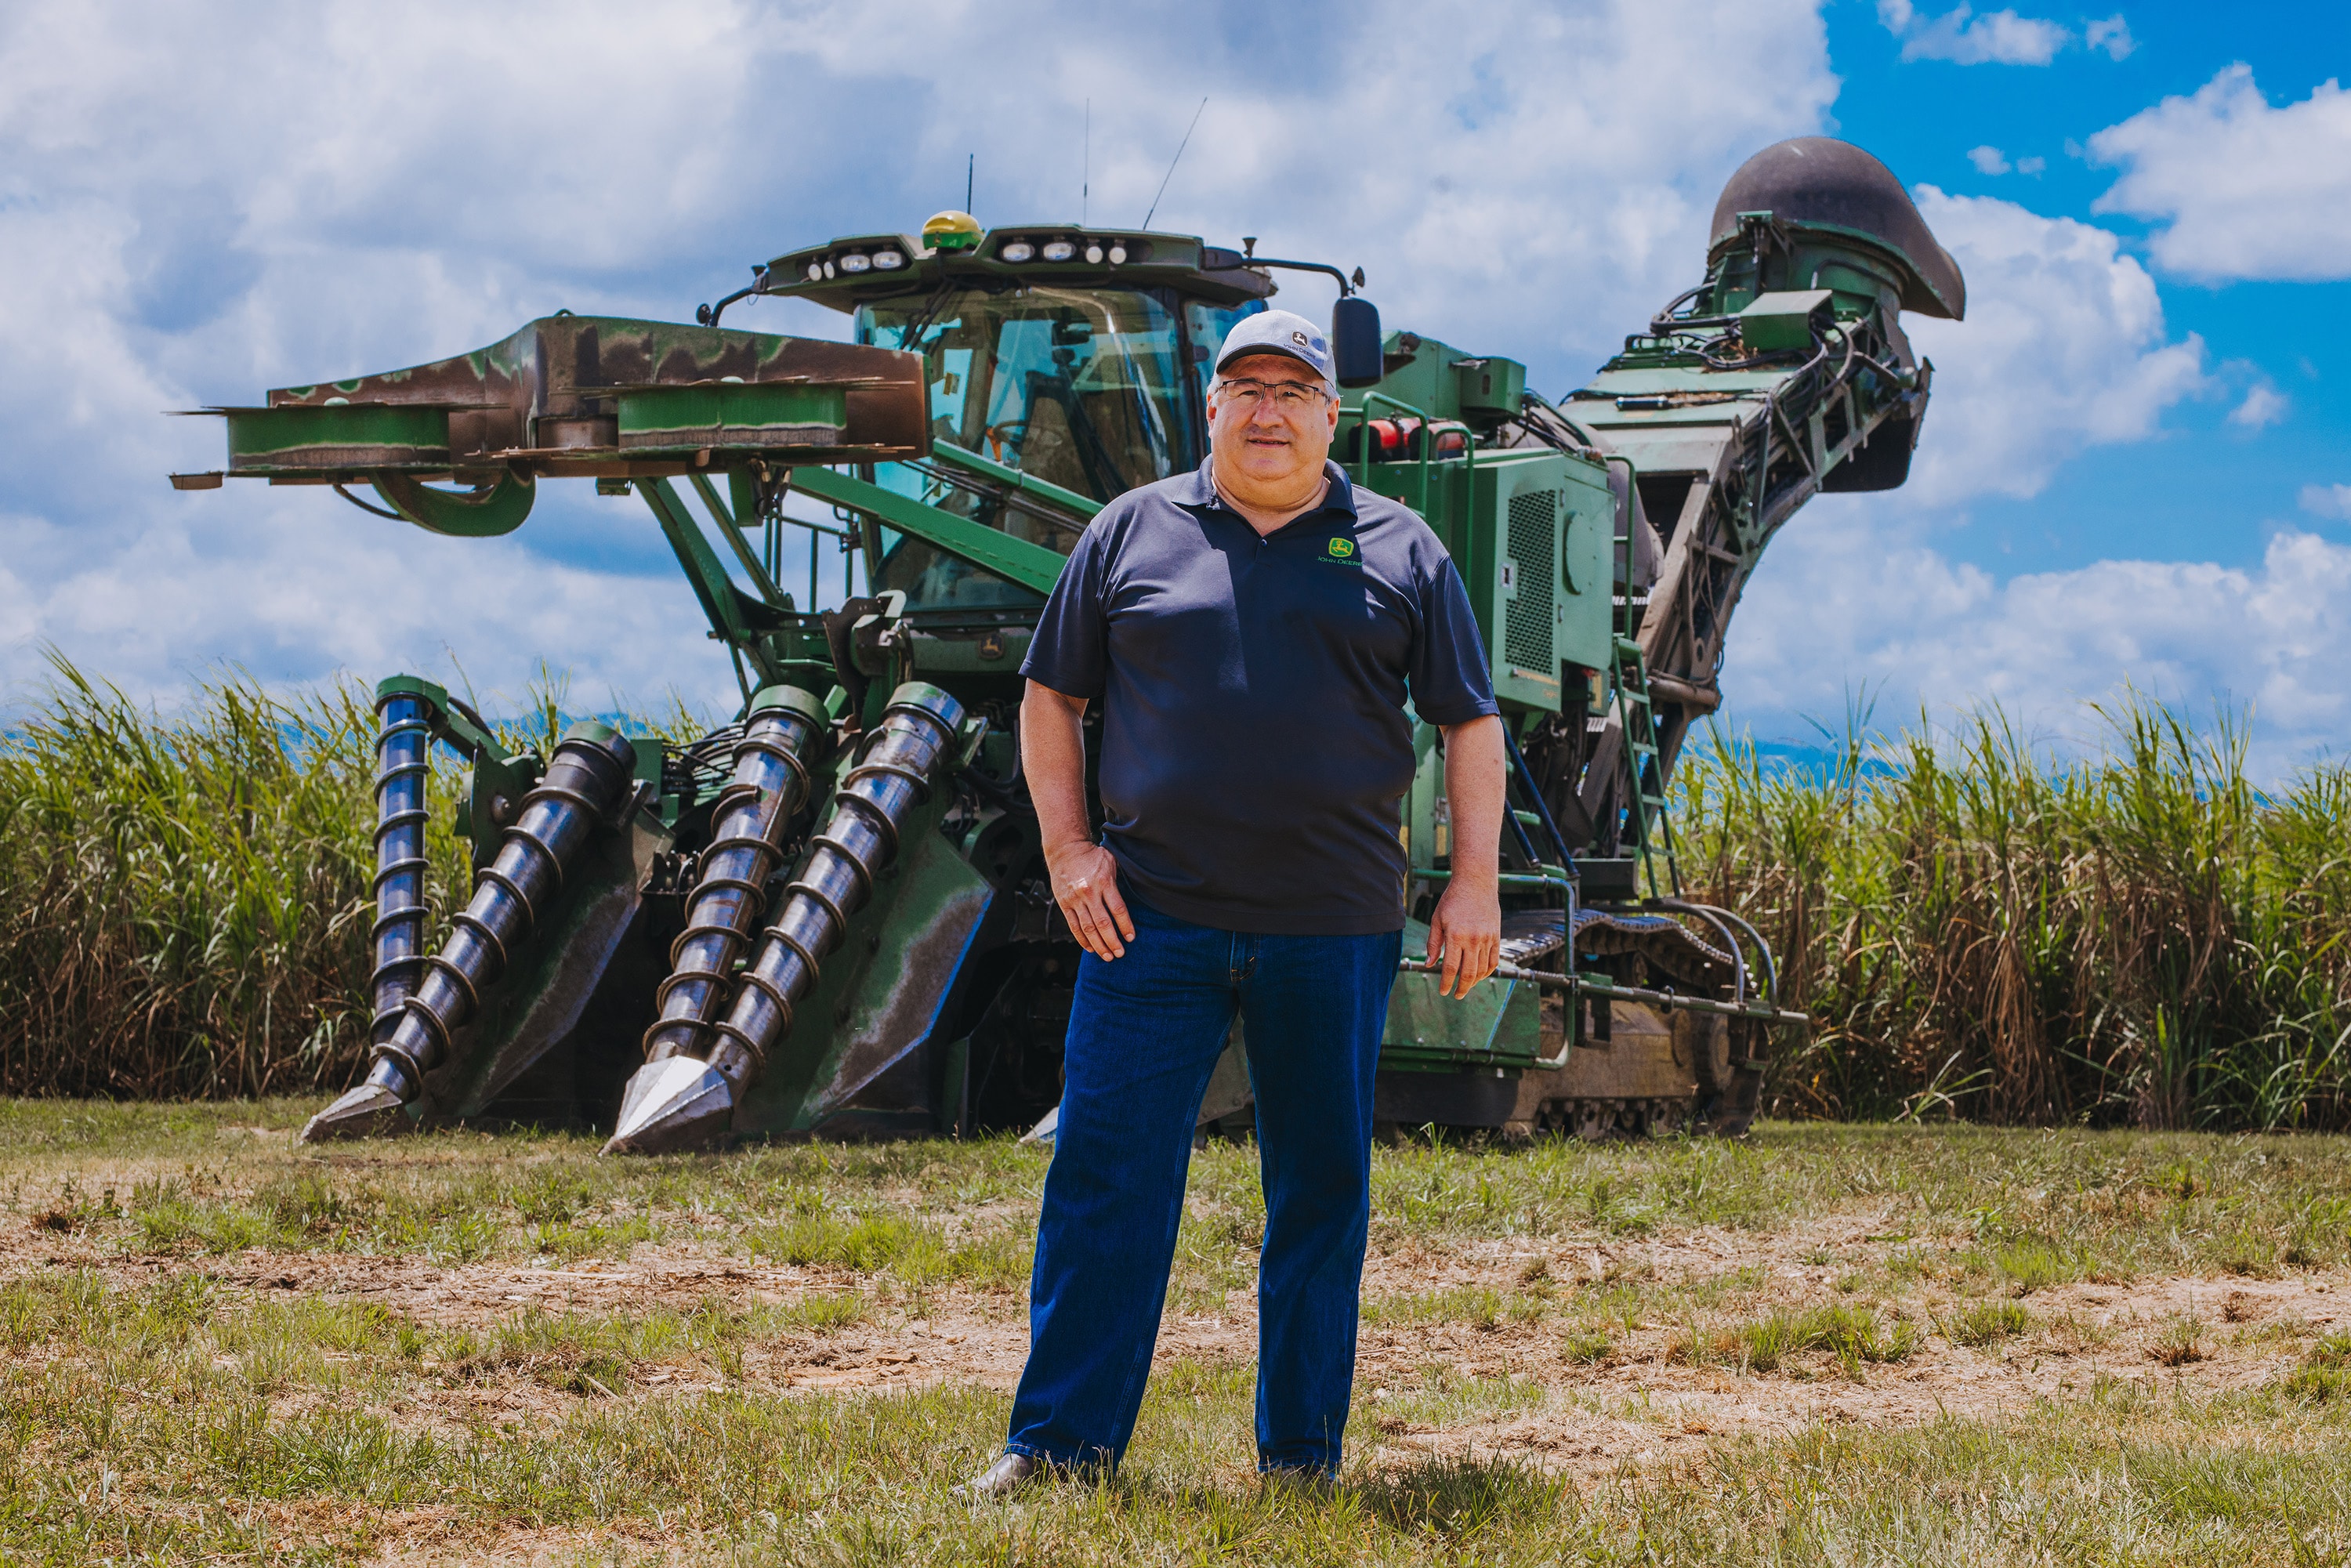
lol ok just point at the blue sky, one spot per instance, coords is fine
(2185, 493)
(2129, 472)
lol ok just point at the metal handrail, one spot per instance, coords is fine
(1584, 984)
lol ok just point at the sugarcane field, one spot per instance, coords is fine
(1061, 879)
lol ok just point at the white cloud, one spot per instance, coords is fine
(2242, 189)
(1850, 597)
(2326, 500)
(191, 213)
(2263, 406)
(1991, 161)
(252, 579)
(2112, 35)
(1962, 37)
(2063, 349)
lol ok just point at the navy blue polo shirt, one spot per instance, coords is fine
(1256, 742)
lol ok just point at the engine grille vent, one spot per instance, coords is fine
(1534, 550)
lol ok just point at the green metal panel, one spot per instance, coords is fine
(1512, 569)
(738, 414)
(1421, 373)
(1531, 531)
(543, 997)
(1424, 799)
(878, 992)
(1784, 322)
(1587, 568)
(1499, 1024)
(1489, 387)
(336, 435)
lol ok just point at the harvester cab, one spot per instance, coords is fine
(830, 915)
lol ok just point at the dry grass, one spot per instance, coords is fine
(2140, 935)
(189, 897)
(456, 1347)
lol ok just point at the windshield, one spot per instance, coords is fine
(1083, 388)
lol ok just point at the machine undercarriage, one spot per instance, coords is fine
(829, 916)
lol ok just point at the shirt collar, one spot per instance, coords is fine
(1200, 490)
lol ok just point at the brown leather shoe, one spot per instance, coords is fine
(1002, 1479)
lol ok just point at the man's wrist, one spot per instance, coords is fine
(1477, 878)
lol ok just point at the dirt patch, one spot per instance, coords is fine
(1657, 1386)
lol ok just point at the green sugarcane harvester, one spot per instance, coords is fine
(831, 915)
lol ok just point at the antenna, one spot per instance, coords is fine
(971, 163)
(1086, 166)
(1173, 161)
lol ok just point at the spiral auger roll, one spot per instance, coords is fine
(403, 741)
(682, 1100)
(770, 786)
(586, 781)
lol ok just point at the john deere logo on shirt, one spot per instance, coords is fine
(1339, 550)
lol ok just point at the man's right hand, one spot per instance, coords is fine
(1085, 884)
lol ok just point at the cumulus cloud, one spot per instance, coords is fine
(2326, 500)
(251, 580)
(1962, 37)
(2242, 189)
(1992, 161)
(189, 213)
(2064, 348)
(1852, 596)
(2113, 34)
(2263, 406)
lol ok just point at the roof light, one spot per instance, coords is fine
(1117, 255)
(827, 269)
(1015, 250)
(1059, 250)
(1093, 253)
(889, 260)
(816, 272)
(856, 262)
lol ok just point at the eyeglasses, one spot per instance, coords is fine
(1289, 397)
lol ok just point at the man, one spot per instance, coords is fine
(1252, 631)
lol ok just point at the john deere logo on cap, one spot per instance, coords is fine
(1299, 339)
(1339, 550)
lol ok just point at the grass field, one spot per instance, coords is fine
(1827, 1343)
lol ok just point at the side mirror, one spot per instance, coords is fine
(1356, 342)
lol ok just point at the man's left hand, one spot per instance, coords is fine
(1465, 934)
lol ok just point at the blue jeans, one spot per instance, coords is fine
(1145, 1031)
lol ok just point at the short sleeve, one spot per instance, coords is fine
(1068, 652)
(1451, 680)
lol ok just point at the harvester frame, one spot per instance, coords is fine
(829, 916)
